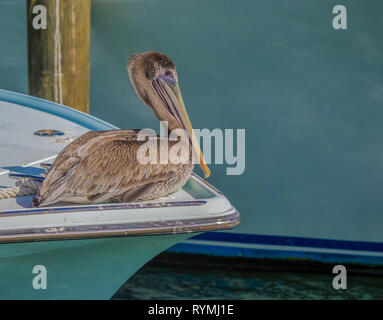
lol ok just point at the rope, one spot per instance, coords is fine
(24, 187)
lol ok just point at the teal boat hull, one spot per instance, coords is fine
(77, 269)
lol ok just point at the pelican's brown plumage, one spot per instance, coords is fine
(103, 165)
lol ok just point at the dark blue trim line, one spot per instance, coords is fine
(191, 248)
(290, 241)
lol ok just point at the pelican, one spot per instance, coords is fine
(102, 166)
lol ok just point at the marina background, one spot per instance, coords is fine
(309, 97)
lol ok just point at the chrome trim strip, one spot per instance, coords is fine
(121, 230)
(103, 207)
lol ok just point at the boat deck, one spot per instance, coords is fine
(197, 207)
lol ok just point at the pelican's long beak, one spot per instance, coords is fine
(189, 128)
(176, 102)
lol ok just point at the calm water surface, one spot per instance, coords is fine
(153, 282)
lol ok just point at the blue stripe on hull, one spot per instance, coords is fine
(290, 241)
(222, 251)
(264, 246)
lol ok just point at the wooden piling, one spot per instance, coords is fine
(58, 56)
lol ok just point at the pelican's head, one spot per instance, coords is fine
(155, 79)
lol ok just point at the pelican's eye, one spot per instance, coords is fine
(169, 78)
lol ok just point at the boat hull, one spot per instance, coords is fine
(76, 269)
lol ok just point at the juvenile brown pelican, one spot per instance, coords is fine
(103, 165)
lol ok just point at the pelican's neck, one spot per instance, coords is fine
(167, 121)
(175, 129)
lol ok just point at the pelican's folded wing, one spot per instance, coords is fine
(102, 172)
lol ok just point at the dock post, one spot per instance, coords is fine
(58, 55)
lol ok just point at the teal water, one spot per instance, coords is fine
(153, 282)
(309, 97)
